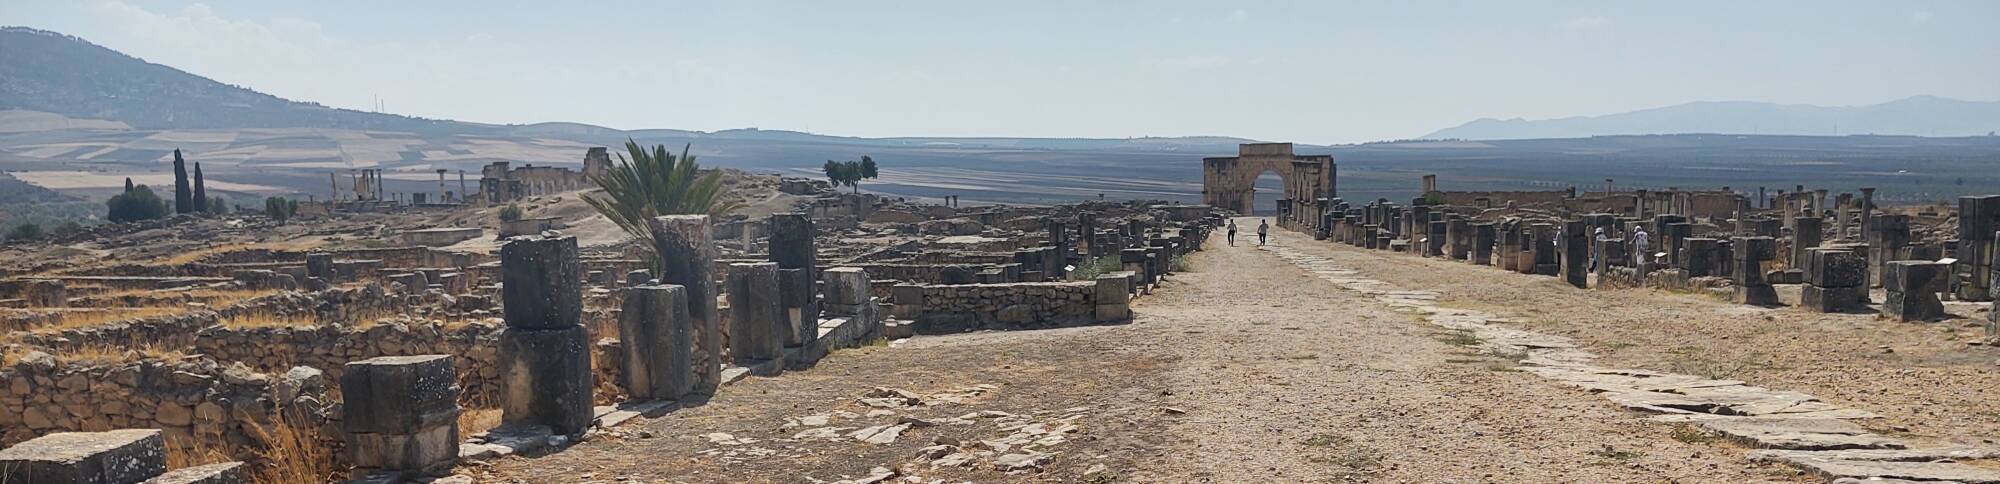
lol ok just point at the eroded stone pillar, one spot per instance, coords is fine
(793, 249)
(656, 336)
(401, 414)
(1912, 290)
(544, 351)
(685, 245)
(1805, 237)
(1978, 219)
(1575, 253)
(1482, 243)
(756, 326)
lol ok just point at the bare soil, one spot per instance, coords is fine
(1245, 369)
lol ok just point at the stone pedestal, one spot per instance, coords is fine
(1113, 298)
(1887, 234)
(401, 413)
(1805, 237)
(1546, 261)
(1978, 219)
(844, 289)
(545, 378)
(1751, 286)
(1836, 280)
(757, 329)
(1434, 238)
(1912, 290)
(117, 456)
(656, 337)
(908, 300)
(686, 248)
(1458, 231)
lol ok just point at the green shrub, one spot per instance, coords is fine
(26, 231)
(138, 203)
(510, 213)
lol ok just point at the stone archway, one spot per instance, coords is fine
(1230, 182)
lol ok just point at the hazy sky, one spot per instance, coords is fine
(1315, 72)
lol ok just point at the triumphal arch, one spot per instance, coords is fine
(1230, 182)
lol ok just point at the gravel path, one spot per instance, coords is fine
(1246, 369)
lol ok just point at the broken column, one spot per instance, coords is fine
(1978, 218)
(1609, 251)
(1482, 243)
(792, 248)
(1575, 253)
(1805, 236)
(1543, 244)
(1836, 280)
(756, 325)
(1887, 235)
(544, 352)
(117, 456)
(686, 250)
(1912, 290)
(656, 337)
(401, 414)
(1751, 286)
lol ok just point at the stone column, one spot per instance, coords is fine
(117, 456)
(544, 351)
(1805, 237)
(1437, 231)
(656, 336)
(1458, 231)
(1575, 253)
(792, 248)
(1867, 209)
(401, 414)
(1886, 237)
(1912, 290)
(1507, 246)
(1482, 243)
(686, 250)
(1978, 218)
(1546, 261)
(756, 326)
(1751, 286)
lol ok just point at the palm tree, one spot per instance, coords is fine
(654, 183)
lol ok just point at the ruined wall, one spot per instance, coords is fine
(193, 397)
(1026, 305)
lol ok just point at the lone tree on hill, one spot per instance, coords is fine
(849, 173)
(137, 203)
(653, 183)
(200, 199)
(183, 194)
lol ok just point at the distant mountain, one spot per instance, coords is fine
(55, 73)
(52, 81)
(1916, 116)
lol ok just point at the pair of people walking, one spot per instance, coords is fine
(1263, 231)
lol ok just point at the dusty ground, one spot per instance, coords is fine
(1246, 369)
(1928, 382)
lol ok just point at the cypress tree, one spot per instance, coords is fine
(200, 192)
(128, 184)
(183, 194)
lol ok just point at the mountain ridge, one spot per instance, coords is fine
(1921, 115)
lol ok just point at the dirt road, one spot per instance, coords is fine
(1246, 369)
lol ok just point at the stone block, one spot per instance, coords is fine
(1113, 289)
(1833, 299)
(429, 451)
(220, 473)
(1758, 295)
(1826, 267)
(757, 327)
(657, 338)
(1912, 290)
(1978, 217)
(797, 311)
(844, 285)
(545, 378)
(399, 394)
(112, 457)
(541, 283)
(1107, 313)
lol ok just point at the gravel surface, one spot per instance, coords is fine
(1246, 369)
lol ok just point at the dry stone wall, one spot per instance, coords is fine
(1027, 305)
(187, 398)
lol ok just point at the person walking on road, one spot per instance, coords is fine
(1232, 233)
(1263, 230)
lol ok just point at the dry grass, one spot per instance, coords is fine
(476, 420)
(295, 455)
(91, 318)
(267, 319)
(104, 355)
